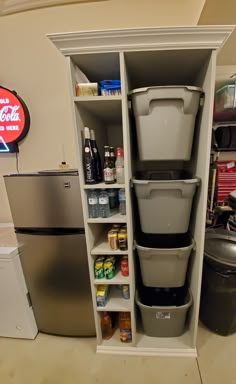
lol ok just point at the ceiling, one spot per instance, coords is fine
(221, 13)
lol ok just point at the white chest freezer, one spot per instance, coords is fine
(16, 313)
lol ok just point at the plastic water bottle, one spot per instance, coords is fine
(113, 198)
(104, 207)
(93, 205)
(122, 201)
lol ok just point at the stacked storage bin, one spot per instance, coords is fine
(165, 121)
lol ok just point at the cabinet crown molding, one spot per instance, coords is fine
(195, 37)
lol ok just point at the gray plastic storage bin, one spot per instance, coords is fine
(164, 203)
(165, 120)
(164, 267)
(164, 321)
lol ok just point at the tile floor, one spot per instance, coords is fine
(56, 360)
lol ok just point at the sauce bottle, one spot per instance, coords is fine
(106, 325)
(125, 327)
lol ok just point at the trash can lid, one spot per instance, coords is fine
(220, 247)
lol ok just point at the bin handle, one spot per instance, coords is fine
(145, 193)
(177, 94)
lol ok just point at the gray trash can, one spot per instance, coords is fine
(164, 200)
(218, 296)
(165, 120)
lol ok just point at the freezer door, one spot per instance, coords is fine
(57, 277)
(17, 318)
(44, 201)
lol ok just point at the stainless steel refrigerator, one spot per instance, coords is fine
(47, 214)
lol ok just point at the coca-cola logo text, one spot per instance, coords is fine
(12, 117)
(9, 113)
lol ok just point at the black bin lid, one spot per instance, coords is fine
(220, 248)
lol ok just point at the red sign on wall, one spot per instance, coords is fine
(14, 120)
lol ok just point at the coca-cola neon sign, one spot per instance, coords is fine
(14, 120)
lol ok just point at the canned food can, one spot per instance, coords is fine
(124, 266)
(122, 239)
(109, 269)
(125, 335)
(125, 292)
(113, 239)
(99, 269)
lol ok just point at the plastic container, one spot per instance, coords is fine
(165, 120)
(164, 321)
(225, 98)
(164, 200)
(164, 267)
(218, 295)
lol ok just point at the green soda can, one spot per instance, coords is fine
(99, 268)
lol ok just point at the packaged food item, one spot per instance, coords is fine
(125, 327)
(110, 87)
(106, 325)
(122, 239)
(116, 226)
(113, 239)
(99, 267)
(102, 295)
(125, 292)
(125, 335)
(124, 266)
(87, 89)
(109, 268)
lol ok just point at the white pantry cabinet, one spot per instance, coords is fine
(142, 57)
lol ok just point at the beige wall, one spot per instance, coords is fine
(222, 12)
(36, 70)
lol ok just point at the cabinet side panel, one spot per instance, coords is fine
(77, 126)
(200, 168)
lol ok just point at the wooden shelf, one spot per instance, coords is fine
(104, 186)
(96, 98)
(150, 346)
(104, 108)
(102, 248)
(115, 218)
(116, 303)
(114, 342)
(117, 279)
